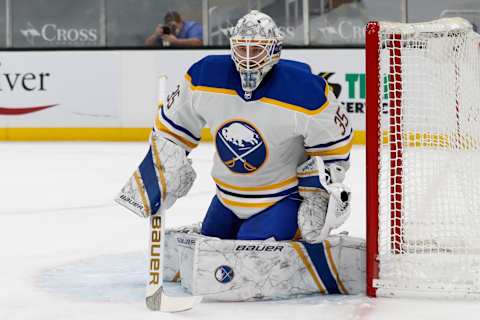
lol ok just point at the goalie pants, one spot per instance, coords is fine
(278, 221)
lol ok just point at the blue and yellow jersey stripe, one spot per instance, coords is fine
(260, 189)
(178, 127)
(175, 132)
(256, 203)
(187, 145)
(241, 198)
(338, 150)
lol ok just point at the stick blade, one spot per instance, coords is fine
(154, 301)
(177, 304)
(159, 301)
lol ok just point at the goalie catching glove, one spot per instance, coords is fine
(164, 175)
(326, 200)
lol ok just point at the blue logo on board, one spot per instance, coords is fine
(240, 146)
(224, 274)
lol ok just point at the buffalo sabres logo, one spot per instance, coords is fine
(224, 274)
(240, 146)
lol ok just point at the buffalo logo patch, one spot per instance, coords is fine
(240, 146)
(224, 274)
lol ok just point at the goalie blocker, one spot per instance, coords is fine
(243, 270)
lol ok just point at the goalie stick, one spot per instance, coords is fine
(156, 297)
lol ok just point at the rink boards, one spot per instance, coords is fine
(111, 95)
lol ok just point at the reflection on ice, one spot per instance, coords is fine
(117, 278)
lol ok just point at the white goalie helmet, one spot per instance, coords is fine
(255, 45)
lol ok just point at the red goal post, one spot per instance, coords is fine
(423, 138)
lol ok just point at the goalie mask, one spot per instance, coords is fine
(255, 45)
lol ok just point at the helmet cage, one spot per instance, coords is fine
(254, 54)
(255, 46)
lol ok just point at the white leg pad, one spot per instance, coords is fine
(238, 270)
(171, 268)
(171, 265)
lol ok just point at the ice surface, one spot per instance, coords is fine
(67, 251)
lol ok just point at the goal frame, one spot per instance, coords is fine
(373, 138)
(375, 42)
(372, 57)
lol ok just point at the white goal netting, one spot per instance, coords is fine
(429, 182)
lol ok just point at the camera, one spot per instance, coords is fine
(166, 30)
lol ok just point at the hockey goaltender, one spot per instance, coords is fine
(282, 152)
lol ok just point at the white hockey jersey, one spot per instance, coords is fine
(261, 141)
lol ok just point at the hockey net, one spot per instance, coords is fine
(423, 159)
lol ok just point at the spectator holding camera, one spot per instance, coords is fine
(176, 32)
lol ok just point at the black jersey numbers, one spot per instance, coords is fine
(341, 120)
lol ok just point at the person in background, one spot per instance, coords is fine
(176, 32)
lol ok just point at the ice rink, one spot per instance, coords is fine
(67, 251)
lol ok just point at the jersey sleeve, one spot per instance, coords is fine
(177, 119)
(328, 134)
